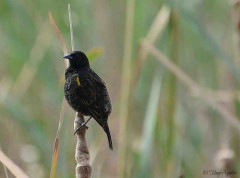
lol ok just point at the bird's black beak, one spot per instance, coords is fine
(69, 56)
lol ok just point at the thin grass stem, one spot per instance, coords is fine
(71, 26)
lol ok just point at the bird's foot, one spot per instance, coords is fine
(82, 126)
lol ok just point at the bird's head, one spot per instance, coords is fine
(77, 59)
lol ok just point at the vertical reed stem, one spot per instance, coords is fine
(126, 79)
(71, 28)
(82, 156)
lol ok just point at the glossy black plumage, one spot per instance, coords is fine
(86, 92)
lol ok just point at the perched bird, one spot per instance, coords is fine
(86, 92)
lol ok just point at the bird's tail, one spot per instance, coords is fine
(107, 131)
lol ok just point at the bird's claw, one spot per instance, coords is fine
(79, 128)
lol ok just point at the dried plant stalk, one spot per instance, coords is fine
(83, 168)
(12, 167)
(57, 140)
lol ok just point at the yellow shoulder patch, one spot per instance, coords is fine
(78, 81)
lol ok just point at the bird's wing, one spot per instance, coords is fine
(88, 85)
(96, 78)
(85, 90)
(104, 93)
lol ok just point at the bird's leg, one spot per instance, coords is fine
(85, 123)
(82, 125)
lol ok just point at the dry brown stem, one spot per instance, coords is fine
(83, 168)
(12, 167)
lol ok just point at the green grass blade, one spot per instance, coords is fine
(149, 126)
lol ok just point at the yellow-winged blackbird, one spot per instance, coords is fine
(86, 92)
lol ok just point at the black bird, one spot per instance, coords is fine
(86, 92)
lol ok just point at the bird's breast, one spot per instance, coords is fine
(70, 90)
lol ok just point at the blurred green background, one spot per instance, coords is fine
(160, 128)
